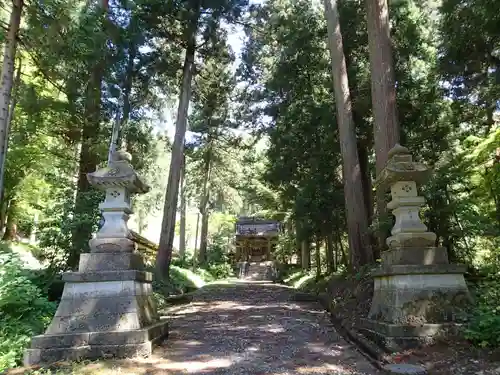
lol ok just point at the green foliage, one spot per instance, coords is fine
(24, 311)
(299, 279)
(220, 271)
(484, 326)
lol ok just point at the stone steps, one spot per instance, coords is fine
(256, 271)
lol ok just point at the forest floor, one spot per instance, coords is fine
(242, 328)
(351, 299)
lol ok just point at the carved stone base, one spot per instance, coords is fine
(106, 309)
(396, 337)
(414, 303)
(76, 346)
(419, 294)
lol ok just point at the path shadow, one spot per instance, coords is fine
(254, 329)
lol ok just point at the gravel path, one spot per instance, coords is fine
(255, 329)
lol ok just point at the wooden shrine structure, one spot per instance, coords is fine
(255, 239)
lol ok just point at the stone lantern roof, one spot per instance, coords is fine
(119, 173)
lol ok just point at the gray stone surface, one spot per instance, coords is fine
(422, 269)
(257, 271)
(107, 244)
(93, 345)
(416, 290)
(116, 275)
(405, 369)
(400, 330)
(110, 261)
(418, 255)
(419, 298)
(106, 307)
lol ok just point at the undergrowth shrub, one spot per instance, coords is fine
(484, 325)
(220, 271)
(24, 310)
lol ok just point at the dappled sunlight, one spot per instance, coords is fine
(254, 329)
(325, 349)
(273, 328)
(321, 369)
(195, 366)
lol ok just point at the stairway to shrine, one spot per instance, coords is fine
(257, 271)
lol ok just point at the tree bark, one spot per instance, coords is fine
(170, 208)
(357, 219)
(305, 255)
(363, 152)
(11, 226)
(330, 256)
(383, 89)
(85, 204)
(317, 256)
(10, 118)
(343, 255)
(7, 80)
(127, 106)
(202, 253)
(205, 197)
(182, 229)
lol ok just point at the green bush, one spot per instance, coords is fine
(24, 310)
(205, 274)
(220, 271)
(484, 325)
(181, 280)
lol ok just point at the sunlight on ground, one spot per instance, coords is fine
(195, 366)
(321, 369)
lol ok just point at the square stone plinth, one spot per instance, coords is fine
(414, 304)
(409, 294)
(396, 337)
(415, 256)
(106, 310)
(76, 346)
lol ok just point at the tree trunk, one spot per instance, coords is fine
(85, 204)
(357, 219)
(343, 255)
(10, 118)
(383, 89)
(11, 226)
(197, 231)
(169, 211)
(298, 245)
(182, 229)
(127, 107)
(495, 188)
(7, 81)
(317, 256)
(202, 254)
(305, 255)
(330, 256)
(3, 213)
(363, 152)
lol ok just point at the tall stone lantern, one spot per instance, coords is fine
(418, 294)
(106, 307)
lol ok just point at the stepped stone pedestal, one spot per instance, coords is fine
(107, 307)
(418, 294)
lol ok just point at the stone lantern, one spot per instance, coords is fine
(418, 294)
(107, 307)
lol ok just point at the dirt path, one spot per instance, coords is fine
(254, 329)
